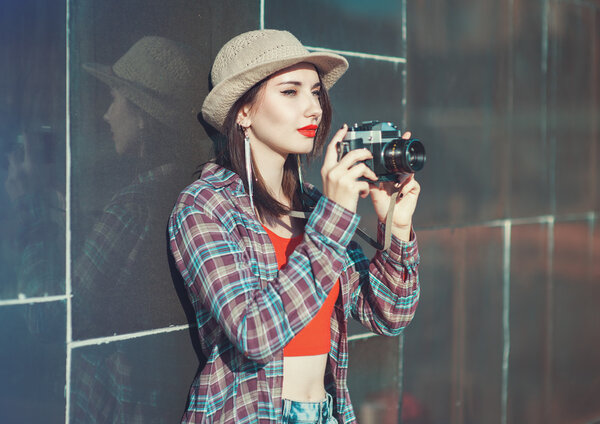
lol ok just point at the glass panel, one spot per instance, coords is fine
(575, 353)
(530, 323)
(574, 103)
(528, 172)
(379, 84)
(356, 26)
(481, 362)
(138, 79)
(32, 149)
(142, 380)
(453, 350)
(457, 104)
(373, 379)
(428, 341)
(32, 358)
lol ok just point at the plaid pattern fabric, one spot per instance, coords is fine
(107, 278)
(247, 310)
(103, 390)
(116, 269)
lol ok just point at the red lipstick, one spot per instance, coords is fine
(308, 131)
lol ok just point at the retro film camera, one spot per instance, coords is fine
(393, 156)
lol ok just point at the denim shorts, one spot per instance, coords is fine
(308, 412)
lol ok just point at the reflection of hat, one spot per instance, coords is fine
(252, 56)
(161, 77)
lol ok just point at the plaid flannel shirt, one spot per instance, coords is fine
(247, 310)
(117, 279)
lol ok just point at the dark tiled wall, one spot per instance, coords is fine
(506, 97)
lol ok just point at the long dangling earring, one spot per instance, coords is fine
(248, 158)
(300, 180)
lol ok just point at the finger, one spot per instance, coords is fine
(354, 156)
(363, 189)
(331, 154)
(404, 179)
(406, 135)
(361, 170)
(412, 187)
(388, 186)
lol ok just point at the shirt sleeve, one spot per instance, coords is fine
(259, 320)
(104, 255)
(385, 290)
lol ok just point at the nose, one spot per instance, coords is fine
(107, 114)
(313, 108)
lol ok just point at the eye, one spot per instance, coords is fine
(290, 92)
(316, 93)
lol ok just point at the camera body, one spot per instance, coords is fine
(393, 156)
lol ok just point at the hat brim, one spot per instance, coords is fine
(165, 110)
(222, 97)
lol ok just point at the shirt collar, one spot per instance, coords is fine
(218, 176)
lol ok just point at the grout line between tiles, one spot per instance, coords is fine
(69, 333)
(129, 336)
(370, 56)
(549, 310)
(542, 219)
(362, 336)
(262, 14)
(506, 321)
(32, 300)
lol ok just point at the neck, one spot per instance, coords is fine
(270, 165)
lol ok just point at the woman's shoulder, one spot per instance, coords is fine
(216, 184)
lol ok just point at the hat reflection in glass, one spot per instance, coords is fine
(156, 94)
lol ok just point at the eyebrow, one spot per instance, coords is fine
(298, 83)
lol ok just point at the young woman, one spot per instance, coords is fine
(273, 293)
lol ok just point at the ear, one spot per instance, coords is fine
(244, 118)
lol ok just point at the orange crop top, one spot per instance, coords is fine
(315, 338)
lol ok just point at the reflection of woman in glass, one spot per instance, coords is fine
(121, 280)
(273, 293)
(34, 187)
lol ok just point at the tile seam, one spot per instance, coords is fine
(68, 320)
(376, 57)
(32, 300)
(506, 321)
(128, 336)
(361, 336)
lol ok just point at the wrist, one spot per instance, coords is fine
(402, 232)
(347, 203)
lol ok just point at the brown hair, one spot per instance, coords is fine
(231, 155)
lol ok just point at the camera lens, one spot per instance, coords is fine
(404, 156)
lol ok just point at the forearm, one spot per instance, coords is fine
(388, 290)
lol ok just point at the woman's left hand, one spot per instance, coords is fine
(406, 202)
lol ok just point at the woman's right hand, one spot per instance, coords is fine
(340, 179)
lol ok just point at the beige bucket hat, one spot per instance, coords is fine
(162, 77)
(252, 56)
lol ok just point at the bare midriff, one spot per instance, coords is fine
(303, 378)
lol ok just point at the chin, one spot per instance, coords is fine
(306, 148)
